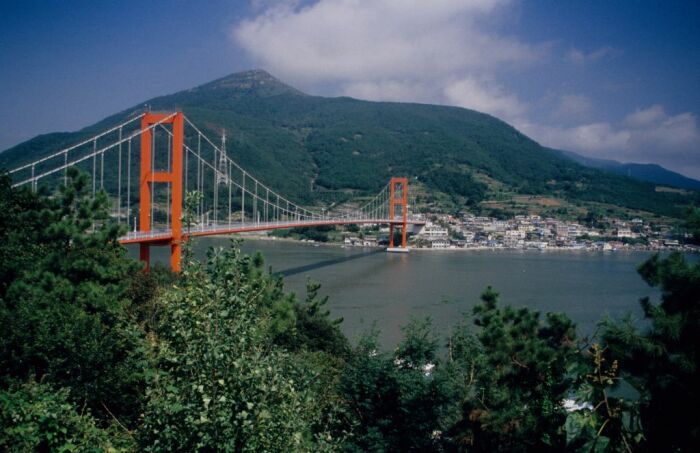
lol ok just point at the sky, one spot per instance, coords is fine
(606, 79)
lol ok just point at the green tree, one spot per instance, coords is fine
(314, 330)
(662, 360)
(144, 291)
(519, 381)
(20, 220)
(396, 401)
(692, 224)
(221, 384)
(63, 315)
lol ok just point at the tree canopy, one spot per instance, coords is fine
(97, 355)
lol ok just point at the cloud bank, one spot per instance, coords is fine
(441, 51)
(647, 135)
(453, 52)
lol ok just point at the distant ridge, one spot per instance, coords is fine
(644, 172)
(313, 147)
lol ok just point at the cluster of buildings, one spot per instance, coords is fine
(535, 232)
(367, 240)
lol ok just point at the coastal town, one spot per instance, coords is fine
(531, 232)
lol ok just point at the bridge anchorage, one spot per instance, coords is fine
(176, 157)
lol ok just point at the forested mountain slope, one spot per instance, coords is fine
(307, 146)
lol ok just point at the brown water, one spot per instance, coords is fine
(369, 286)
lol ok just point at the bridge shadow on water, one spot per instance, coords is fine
(313, 266)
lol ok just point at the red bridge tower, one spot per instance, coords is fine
(400, 186)
(149, 177)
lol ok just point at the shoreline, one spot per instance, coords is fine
(259, 237)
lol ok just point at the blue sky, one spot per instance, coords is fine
(609, 79)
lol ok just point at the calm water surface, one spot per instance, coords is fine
(369, 286)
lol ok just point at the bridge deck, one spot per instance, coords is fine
(164, 235)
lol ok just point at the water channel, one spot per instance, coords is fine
(369, 286)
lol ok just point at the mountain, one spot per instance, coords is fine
(643, 172)
(312, 147)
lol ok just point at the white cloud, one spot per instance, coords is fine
(581, 57)
(484, 97)
(673, 134)
(592, 139)
(383, 49)
(646, 135)
(643, 117)
(260, 5)
(572, 106)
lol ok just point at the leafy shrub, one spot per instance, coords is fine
(220, 383)
(38, 417)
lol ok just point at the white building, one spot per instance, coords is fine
(625, 233)
(440, 243)
(432, 231)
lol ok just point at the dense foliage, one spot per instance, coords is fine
(220, 384)
(317, 234)
(456, 183)
(396, 401)
(662, 361)
(521, 379)
(64, 312)
(38, 417)
(692, 224)
(98, 356)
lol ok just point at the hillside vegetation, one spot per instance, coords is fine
(307, 146)
(96, 355)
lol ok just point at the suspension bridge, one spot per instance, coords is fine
(148, 162)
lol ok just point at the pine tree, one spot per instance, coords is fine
(661, 361)
(519, 380)
(64, 313)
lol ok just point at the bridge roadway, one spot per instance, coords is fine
(156, 236)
